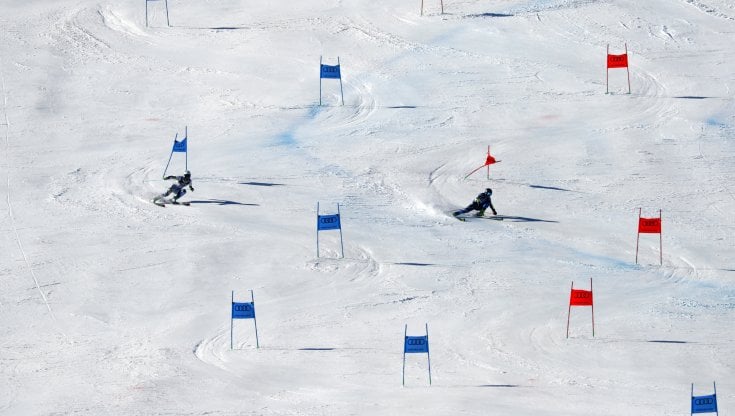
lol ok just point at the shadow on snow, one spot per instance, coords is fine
(489, 15)
(526, 219)
(222, 202)
(262, 184)
(552, 188)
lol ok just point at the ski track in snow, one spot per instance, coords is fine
(714, 11)
(11, 216)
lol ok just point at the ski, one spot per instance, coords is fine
(163, 202)
(451, 214)
(465, 218)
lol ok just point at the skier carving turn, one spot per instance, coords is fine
(177, 189)
(480, 204)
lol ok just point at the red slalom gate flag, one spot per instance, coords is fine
(489, 160)
(580, 297)
(617, 61)
(649, 225)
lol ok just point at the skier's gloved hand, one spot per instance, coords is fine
(495, 213)
(192, 188)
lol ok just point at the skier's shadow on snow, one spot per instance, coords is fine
(488, 15)
(315, 349)
(693, 97)
(217, 28)
(222, 202)
(501, 386)
(650, 341)
(526, 219)
(551, 188)
(261, 184)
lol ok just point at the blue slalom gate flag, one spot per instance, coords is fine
(416, 344)
(413, 344)
(330, 72)
(704, 404)
(328, 222)
(243, 310)
(180, 146)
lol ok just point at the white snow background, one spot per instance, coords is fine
(110, 305)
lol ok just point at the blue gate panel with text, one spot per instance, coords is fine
(180, 146)
(704, 404)
(243, 310)
(330, 72)
(416, 344)
(328, 222)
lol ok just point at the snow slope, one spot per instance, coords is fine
(112, 305)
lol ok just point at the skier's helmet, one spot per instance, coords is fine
(489, 191)
(187, 174)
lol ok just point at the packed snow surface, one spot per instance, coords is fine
(112, 305)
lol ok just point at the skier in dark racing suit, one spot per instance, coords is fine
(480, 204)
(177, 189)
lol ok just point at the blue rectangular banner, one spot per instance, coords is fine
(416, 344)
(243, 310)
(704, 404)
(328, 222)
(179, 146)
(330, 72)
